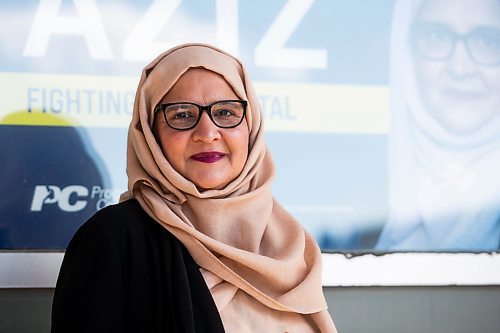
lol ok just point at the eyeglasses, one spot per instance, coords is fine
(186, 115)
(435, 41)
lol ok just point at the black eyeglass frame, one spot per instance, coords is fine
(463, 38)
(202, 108)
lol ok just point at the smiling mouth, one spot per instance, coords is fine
(460, 94)
(208, 157)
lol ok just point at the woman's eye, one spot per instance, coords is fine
(436, 36)
(223, 113)
(433, 33)
(490, 42)
(182, 115)
(487, 38)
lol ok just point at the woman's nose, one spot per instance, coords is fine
(206, 131)
(460, 63)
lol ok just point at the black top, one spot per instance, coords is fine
(123, 272)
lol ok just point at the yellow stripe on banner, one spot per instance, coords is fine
(66, 100)
(107, 101)
(324, 108)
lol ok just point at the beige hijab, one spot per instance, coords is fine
(262, 268)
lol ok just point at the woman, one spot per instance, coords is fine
(198, 243)
(444, 144)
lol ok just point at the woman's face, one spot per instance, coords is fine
(459, 93)
(209, 156)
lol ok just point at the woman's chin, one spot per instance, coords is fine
(463, 118)
(206, 183)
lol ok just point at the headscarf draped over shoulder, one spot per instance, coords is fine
(263, 269)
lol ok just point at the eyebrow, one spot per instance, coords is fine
(442, 24)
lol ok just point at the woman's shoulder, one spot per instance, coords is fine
(123, 227)
(118, 221)
(125, 214)
(128, 210)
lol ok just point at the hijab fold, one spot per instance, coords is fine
(263, 269)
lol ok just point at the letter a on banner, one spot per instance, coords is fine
(87, 23)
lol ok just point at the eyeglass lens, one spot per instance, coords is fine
(225, 114)
(437, 42)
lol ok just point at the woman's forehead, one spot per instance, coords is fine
(200, 85)
(461, 15)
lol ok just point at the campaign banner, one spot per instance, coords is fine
(381, 116)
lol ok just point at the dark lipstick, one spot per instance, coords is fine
(208, 157)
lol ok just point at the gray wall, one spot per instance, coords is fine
(416, 309)
(355, 310)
